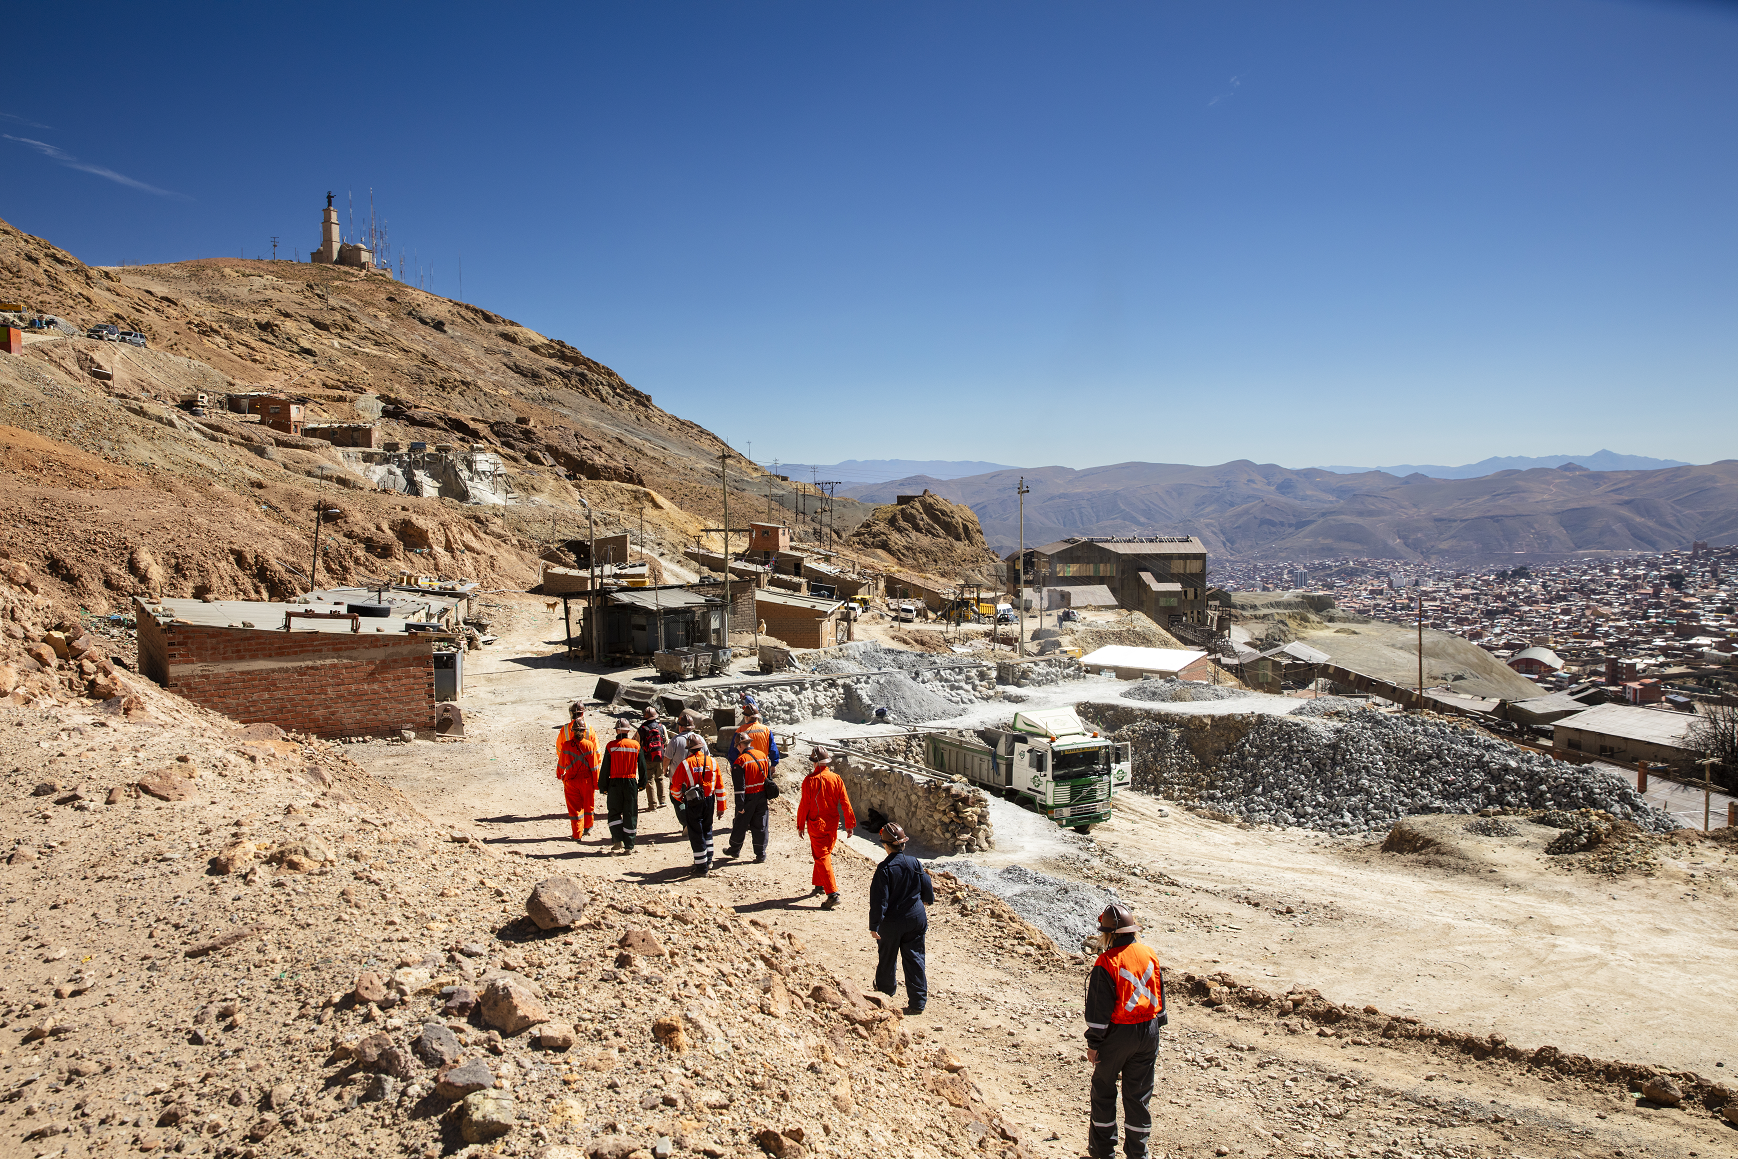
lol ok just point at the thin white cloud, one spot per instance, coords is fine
(72, 162)
(25, 121)
(1235, 82)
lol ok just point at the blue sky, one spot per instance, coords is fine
(1041, 234)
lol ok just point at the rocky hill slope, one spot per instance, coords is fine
(1261, 511)
(112, 486)
(931, 535)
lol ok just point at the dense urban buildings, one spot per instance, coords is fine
(1661, 627)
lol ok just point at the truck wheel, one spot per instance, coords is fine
(1083, 828)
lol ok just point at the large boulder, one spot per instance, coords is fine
(556, 903)
(510, 1006)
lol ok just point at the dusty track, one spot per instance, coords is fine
(1369, 934)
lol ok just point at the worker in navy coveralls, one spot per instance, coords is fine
(897, 919)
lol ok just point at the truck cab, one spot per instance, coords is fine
(1048, 759)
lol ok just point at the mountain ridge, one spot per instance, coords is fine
(1246, 510)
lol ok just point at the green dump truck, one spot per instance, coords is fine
(1047, 760)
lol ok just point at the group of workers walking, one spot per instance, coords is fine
(1125, 996)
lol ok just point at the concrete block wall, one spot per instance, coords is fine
(943, 817)
(324, 683)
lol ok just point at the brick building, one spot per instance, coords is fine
(1162, 576)
(801, 621)
(274, 410)
(339, 676)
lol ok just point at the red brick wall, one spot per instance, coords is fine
(325, 683)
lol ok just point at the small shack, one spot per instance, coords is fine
(641, 621)
(802, 621)
(1132, 663)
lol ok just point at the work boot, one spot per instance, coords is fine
(815, 892)
(615, 846)
(587, 832)
(831, 902)
(732, 853)
(701, 871)
(760, 859)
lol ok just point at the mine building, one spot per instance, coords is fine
(1161, 576)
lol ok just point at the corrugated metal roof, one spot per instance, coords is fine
(1631, 722)
(818, 603)
(662, 599)
(1143, 659)
(267, 616)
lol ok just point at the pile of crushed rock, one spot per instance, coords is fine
(1171, 689)
(906, 701)
(1369, 769)
(1065, 910)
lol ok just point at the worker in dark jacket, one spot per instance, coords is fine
(1125, 1006)
(897, 894)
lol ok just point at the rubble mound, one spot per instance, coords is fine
(929, 534)
(1171, 689)
(1407, 837)
(906, 701)
(1137, 630)
(1329, 706)
(1371, 769)
(1492, 827)
(1065, 910)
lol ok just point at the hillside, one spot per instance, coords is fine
(111, 486)
(1261, 511)
(931, 535)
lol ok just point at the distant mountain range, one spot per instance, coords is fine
(1597, 461)
(860, 472)
(1261, 511)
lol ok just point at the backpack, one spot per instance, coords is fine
(652, 738)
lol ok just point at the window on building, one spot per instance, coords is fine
(1167, 601)
(274, 410)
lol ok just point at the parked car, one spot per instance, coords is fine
(104, 331)
(132, 338)
(1070, 614)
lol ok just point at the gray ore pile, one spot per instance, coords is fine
(1184, 691)
(1368, 771)
(1065, 910)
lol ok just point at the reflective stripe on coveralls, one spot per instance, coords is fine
(818, 812)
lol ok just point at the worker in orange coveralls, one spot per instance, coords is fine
(577, 761)
(818, 812)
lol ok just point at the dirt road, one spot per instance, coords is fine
(1456, 946)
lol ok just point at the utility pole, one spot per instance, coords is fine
(274, 249)
(1707, 788)
(724, 485)
(1020, 562)
(591, 587)
(1421, 644)
(321, 514)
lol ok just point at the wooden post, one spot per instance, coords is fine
(1641, 776)
(567, 622)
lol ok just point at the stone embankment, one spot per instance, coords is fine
(945, 816)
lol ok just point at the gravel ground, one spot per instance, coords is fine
(1370, 770)
(1065, 910)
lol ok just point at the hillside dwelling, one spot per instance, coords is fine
(802, 621)
(1161, 576)
(324, 670)
(641, 621)
(362, 436)
(767, 540)
(1648, 691)
(274, 410)
(1625, 734)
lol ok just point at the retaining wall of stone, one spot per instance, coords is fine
(944, 817)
